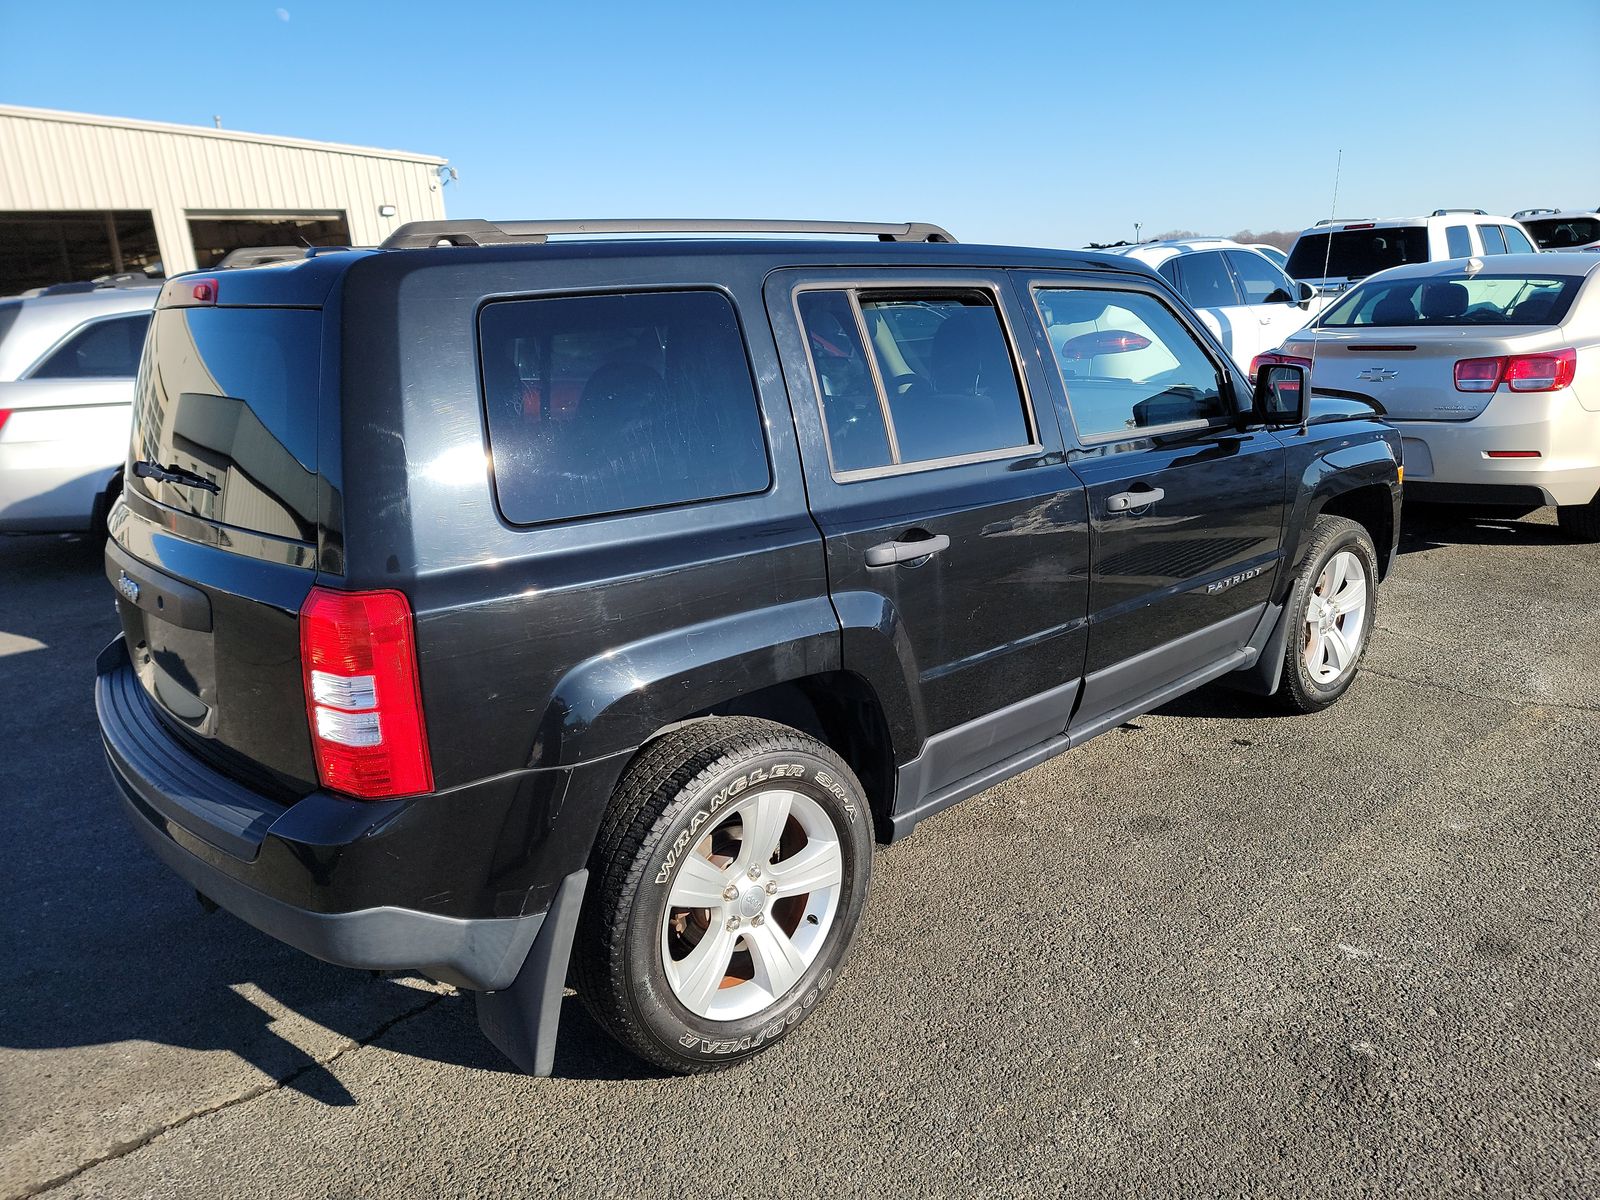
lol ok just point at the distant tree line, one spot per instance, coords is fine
(1281, 238)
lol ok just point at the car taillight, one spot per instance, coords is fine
(1541, 372)
(5, 414)
(1274, 359)
(1546, 372)
(188, 293)
(358, 654)
(1479, 374)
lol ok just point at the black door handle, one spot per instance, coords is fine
(887, 554)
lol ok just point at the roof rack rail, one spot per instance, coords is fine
(420, 235)
(1445, 212)
(1344, 220)
(1532, 212)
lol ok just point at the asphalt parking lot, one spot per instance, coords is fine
(1216, 952)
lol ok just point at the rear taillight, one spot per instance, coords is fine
(1479, 374)
(1547, 372)
(358, 653)
(1541, 372)
(5, 414)
(1274, 359)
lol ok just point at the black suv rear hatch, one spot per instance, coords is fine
(217, 546)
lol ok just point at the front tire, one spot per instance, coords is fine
(1332, 606)
(727, 883)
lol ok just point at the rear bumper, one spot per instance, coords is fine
(1564, 435)
(353, 883)
(49, 498)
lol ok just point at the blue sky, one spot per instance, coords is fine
(1048, 124)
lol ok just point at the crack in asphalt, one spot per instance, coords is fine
(1459, 691)
(128, 1147)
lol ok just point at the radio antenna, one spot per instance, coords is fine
(1327, 259)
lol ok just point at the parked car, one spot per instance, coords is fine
(490, 600)
(1280, 258)
(1332, 255)
(1552, 229)
(1490, 370)
(1245, 299)
(67, 360)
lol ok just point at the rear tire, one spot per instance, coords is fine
(726, 885)
(1580, 522)
(1331, 607)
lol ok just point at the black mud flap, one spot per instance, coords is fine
(522, 1020)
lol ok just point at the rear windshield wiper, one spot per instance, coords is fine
(173, 474)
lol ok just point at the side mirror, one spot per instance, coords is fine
(1308, 293)
(1282, 395)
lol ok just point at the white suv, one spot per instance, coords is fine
(1552, 229)
(68, 358)
(1246, 299)
(1332, 255)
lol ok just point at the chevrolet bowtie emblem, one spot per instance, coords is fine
(1377, 374)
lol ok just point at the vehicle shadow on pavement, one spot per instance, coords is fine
(1432, 526)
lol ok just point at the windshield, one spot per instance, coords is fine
(1559, 233)
(1454, 300)
(1357, 253)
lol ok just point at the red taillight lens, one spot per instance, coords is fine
(1547, 372)
(1541, 372)
(358, 654)
(1479, 374)
(5, 414)
(1274, 359)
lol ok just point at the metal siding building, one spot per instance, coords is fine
(79, 192)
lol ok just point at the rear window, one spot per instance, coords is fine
(615, 403)
(104, 349)
(231, 395)
(1357, 253)
(1455, 300)
(1552, 233)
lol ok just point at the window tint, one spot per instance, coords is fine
(106, 349)
(1493, 243)
(949, 383)
(857, 436)
(1205, 282)
(1262, 282)
(1169, 272)
(1516, 243)
(602, 404)
(1455, 300)
(1127, 362)
(1456, 242)
(1357, 253)
(1561, 233)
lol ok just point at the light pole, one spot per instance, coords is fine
(1137, 226)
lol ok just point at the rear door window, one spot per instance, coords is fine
(614, 403)
(1516, 243)
(1127, 362)
(910, 378)
(104, 349)
(1457, 243)
(1493, 241)
(1205, 281)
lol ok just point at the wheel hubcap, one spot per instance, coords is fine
(1335, 618)
(751, 904)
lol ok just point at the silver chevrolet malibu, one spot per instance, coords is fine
(1490, 369)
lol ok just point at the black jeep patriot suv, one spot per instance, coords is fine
(495, 602)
